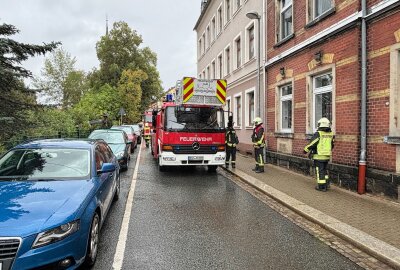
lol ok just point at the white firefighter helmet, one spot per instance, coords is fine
(257, 121)
(324, 122)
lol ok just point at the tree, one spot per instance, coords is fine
(130, 92)
(15, 98)
(60, 82)
(119, 51)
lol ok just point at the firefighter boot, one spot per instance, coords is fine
(227, 165)
(328, 182)
(260, 169)
(233, 165)
(255, 169)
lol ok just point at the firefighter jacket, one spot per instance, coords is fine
(258, 137)
(231, 139)
(321, 144)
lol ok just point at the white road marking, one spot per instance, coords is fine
(123, 234)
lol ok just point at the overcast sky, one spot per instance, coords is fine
(166, 27)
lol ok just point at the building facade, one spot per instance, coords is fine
(227, 46)
(314, 69)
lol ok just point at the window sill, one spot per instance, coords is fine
(237, 127)
(320, 18)
(391, 140)
(309, 136)
(283, 41)
(284, 135)
(236, 70)
(251, 60)
(249, 127)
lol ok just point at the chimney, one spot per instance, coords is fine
(203, 4)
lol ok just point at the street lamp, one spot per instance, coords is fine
(255, 16)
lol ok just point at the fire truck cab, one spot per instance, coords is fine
(190, 131)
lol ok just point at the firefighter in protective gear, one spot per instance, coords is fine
(320, 150)
(147, 134)
(258, 139)
(231, 140)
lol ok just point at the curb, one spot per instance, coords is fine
(369, 244)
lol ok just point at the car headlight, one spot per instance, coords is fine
(120, 155)
(56, 234)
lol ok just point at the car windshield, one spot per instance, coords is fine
(205, 119)
(128, 130)
(109, 137)
(136, 128)
(148, 118)
(45, 164)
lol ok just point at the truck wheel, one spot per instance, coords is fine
(212, 168)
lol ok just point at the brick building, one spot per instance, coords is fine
(313, 69)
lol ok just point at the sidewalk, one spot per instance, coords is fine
(368, 222)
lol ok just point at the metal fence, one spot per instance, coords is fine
(59, 135)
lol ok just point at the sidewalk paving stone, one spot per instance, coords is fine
(376, 217)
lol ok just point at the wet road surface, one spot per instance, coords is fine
(188, 218)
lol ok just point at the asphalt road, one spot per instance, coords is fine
(188, 218)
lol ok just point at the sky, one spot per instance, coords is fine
(165, 26)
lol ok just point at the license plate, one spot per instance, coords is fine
(191, 158)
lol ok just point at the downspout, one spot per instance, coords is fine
(362, 165)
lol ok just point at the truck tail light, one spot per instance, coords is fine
(221, 148)
(167, 148)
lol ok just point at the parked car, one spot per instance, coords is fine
(138, 132)
(55, 195)
(131, 135)
(118, 142)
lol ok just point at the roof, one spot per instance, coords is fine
(58, 143)
(202, 14)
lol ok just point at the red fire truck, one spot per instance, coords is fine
(191, 130)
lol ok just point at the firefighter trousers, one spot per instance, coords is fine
(259, 156)
(321, 173)
(230, 153)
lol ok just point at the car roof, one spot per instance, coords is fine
(108, 130)
(58, 143)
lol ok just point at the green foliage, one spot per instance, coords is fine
(119, 51)
(130, 93)
(15, 99)
(60, 82)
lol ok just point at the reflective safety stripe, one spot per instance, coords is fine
(261, 160)
(231, 144)
(320, 157)
(233, 161)
(307, 148)
(319, 181)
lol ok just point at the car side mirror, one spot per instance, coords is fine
(107, 167)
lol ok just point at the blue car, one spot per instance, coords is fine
(54, 198)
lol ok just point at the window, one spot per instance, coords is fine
(200, 76)
(220, 66)
(204, 74)
(227, 109)
(200, 47)
(214, 75)
(204, 42)
(227, 10)
(228, 104)
(318, 7)
(286, 19)
(208, 37)
(208, 72)
(238, 4)
(249, 108)
(220, 23)
(286, 101)
(238, 111)
(228, 60)
(213, 29)
(322, 98)
(250, 32)
(238, 53)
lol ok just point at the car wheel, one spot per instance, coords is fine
(117, 189)
(93, 243)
